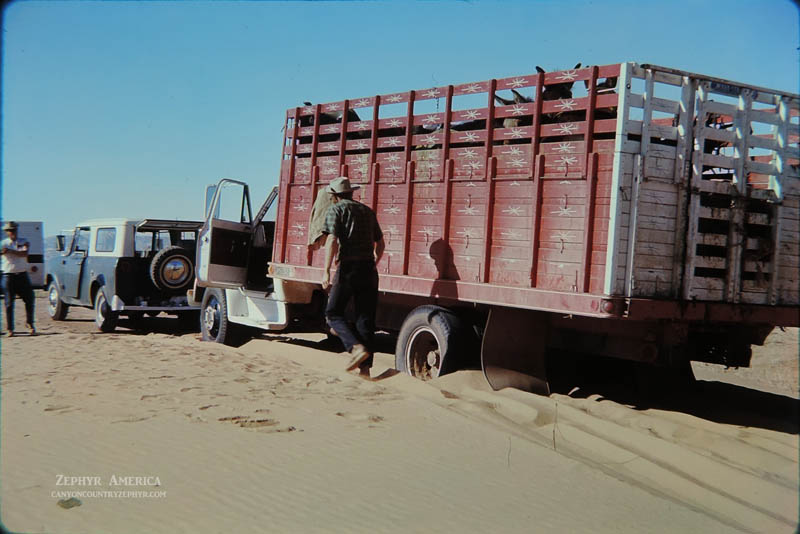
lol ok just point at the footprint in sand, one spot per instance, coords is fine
(57, 408)
(255, 423)
(246, 422)
(372, 418)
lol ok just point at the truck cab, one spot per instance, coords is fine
(234, 289)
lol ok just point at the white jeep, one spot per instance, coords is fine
(124, 267)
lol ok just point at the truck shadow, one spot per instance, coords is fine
(715, 401)
(383, 342)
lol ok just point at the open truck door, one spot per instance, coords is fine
(224, 240)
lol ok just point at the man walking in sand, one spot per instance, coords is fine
(354, 234)
(15, 281)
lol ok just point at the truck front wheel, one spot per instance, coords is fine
(431, 342)
(214, 324)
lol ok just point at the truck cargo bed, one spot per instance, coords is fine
(581, 191)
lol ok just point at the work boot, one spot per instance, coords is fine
(359, 354)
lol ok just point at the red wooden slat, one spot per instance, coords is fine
(588, 134)
(470, 88)
(536, 226)
(487, 228)
(431, 93)
(407, 221)
(591, 184)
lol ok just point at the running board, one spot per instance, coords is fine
(254, 309)
(513, 350)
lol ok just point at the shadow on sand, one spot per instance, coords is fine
(720, 402)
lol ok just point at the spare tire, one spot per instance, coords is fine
(172, 269)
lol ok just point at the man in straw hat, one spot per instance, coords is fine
(354, 234)
(14, 265)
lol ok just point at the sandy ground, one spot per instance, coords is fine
(274, 436)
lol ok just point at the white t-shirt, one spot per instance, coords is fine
(13, 264)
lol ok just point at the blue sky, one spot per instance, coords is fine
(132, 108)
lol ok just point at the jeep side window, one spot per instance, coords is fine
(106, 238)
(163, 240)
(82, 240)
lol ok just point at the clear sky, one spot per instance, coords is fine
(131, 108)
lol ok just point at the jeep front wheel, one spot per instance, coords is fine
(55, 306)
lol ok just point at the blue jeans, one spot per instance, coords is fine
(356, 280)
(14, 284)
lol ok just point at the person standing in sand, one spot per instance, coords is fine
(14, 266)
(354, 234)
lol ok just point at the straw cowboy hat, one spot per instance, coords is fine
(341, 185)
(10, 225)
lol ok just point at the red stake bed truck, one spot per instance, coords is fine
(626, 210)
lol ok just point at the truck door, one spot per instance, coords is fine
(74, 263)
(223, 244)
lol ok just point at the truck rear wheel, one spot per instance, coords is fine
(214, 324)
(55, 306)
(104, 317)
(431, 342)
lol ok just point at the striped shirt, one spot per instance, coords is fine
(356, 227)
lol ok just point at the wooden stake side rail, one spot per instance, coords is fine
(525, 183)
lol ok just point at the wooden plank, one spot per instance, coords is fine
(763, 168)
(615, 257)
(758, 141)
(633, 225)
(758, 218)
(660, 168)
(712, 295)
(664, 105)
(657, 236)
(767, 117)
(653, 274)
(719, 108)
(715, 160)
(644, 261)
(667, 77)
(651, 222)
(711, 262)
(710, 186)
(719, 214)
(536, 226)
(753, 298)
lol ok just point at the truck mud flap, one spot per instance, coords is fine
(513, 350)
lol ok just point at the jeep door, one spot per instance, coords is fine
(223, 243)
(73, 263)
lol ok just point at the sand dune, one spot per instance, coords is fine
(274, 436)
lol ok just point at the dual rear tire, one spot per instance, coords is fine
(434, 341)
